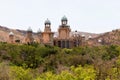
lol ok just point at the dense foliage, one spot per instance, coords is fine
(38, 62)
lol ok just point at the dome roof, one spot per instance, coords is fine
(11, 33)
(47, 21)
(29, 29)
(64, 18)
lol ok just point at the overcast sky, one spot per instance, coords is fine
(96, 16)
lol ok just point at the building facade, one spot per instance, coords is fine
(64, 38)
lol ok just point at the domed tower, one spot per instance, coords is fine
(11, 37)
(63, 40)
(29, 37)
(47, 35)
(64, 29)
(47, 26)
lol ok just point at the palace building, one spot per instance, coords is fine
(63, 38)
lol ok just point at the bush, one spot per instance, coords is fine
(18, 73)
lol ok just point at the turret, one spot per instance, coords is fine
(64, 29)
(47, 35)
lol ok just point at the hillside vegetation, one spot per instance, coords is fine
(38, 62)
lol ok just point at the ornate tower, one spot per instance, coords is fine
(11, 37)
(63, 40)
(29, 37)
(47, 26)
(47, 35)
(64, 29)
